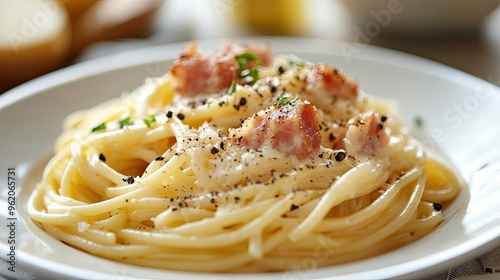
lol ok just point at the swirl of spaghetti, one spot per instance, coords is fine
(236, 162)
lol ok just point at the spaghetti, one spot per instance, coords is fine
(235, 161)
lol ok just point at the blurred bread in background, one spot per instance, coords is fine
(34, 39)
(39, 36)
(112, 20)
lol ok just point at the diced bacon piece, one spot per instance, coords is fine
(195, 73)
(328, 82)
(365, 135)
(291, 129)
(262, 51)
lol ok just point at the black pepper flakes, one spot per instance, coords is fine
(331, 137)
(383, 118)
(102, 157)
(214, 150)
(281, 70)
(180, 116)
(129, 180)
(437, 206)
(243, 101)
(293, 207)
(169, 114)
(340, 156)
(159, 158)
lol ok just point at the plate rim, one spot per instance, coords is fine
(115, 62)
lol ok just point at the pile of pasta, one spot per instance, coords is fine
(237, 161)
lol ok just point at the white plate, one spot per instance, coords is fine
(459, 116)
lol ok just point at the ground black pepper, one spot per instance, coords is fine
(281, 70)
(437, 206)
(243, 101)
(129, 180)
(340, 156)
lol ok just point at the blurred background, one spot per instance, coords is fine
(37, 37)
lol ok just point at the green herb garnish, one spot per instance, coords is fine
(232, 88)
(245, 57)
(100, 127)
(251, 75)
(284, 100)
(297, 63)
(150, 120)
(125, 122)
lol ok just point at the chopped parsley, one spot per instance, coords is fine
(298, 63)
(245, 57)
(284, 100)
(100, 127)
(125, 122)
(250, 75)
(149, 120)
(232, 88)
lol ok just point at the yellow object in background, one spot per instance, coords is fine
(34, 39)
(276, 17)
